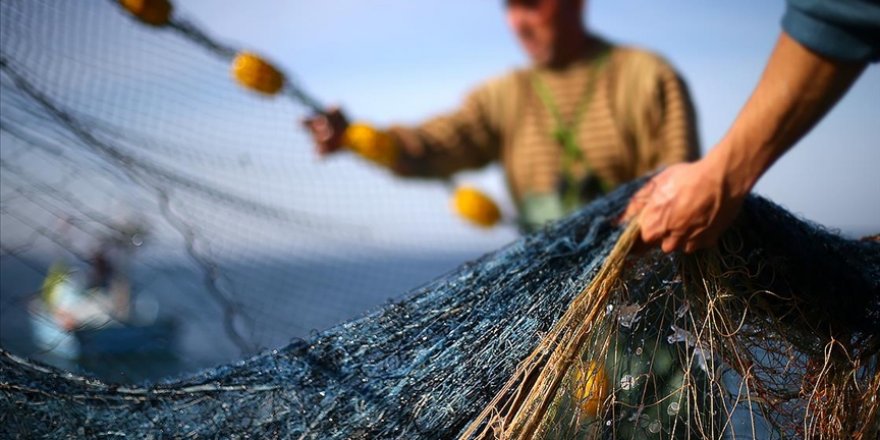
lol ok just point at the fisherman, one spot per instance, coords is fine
(586, 116)
(107, 283)
(822, 49)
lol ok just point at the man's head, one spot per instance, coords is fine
(547, 29)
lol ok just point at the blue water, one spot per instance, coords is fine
(274, 302)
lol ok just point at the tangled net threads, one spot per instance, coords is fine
(727, 343)
(756, 349)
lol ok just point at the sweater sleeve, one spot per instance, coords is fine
(845, 30)
(466, 138)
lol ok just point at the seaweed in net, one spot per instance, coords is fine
(772, 335)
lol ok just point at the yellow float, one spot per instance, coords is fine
(475, 207)
(375, 145)
(256, 74)
(592, 388)
(151, 12)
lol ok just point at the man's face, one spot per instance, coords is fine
(538, 25)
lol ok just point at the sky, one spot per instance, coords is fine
(402, 61)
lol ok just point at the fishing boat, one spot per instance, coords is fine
(72, 323)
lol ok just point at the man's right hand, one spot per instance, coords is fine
(327, 130)
(687, 206)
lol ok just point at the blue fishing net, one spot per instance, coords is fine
(425, 366)
(774, 334)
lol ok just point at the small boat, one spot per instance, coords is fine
(127, 339)
(72, 323)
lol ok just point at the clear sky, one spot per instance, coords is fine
(401, 61)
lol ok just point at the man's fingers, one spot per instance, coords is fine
(326, 129)
(697, 243)
(650, 230)
(654, 222)
(692, 246)
(335, 118)
(314, 124)
(636, 203)
(672, 243)
(698, 238)
(318, 127)
(323, 130)
(629, 213)
(632, 209)
(703, 239)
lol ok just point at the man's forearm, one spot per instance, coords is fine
(797, 88)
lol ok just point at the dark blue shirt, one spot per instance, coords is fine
(845, 30)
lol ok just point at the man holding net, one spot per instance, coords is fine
(585, 117)
(823, 49)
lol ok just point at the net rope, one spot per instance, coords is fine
(565, 333)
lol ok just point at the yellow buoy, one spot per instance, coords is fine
(375, 145)
(256, 74)
(592, 388)
(152, 12)
(475, 207)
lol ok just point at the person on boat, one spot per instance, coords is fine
(822, 49)
(99, 301)
(57, 295)
(70, 305)
(107, 282)
(585, 116)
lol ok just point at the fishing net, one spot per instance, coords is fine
(565, 333)
(115, 130)
(562, 334)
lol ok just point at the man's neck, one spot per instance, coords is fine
(580, 45)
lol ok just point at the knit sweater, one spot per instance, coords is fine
(639, 117)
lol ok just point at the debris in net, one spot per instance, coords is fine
(629, 314)
(682, 309)
(627, 382)
(681, 335)
(700, 351)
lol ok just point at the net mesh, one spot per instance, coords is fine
(116, 131)
(773, 335)
(110, 126)
(752, 341)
